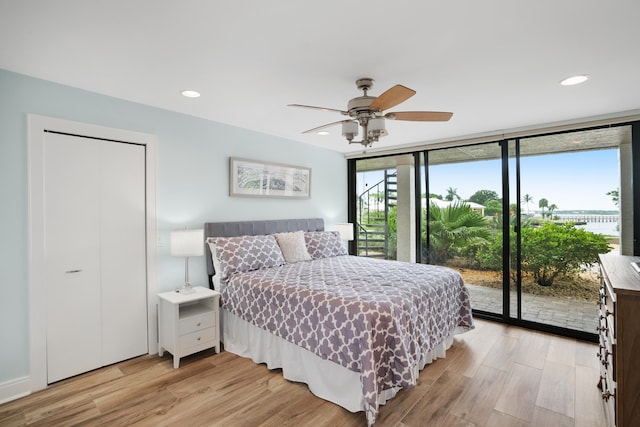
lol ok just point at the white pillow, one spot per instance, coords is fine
(293, 246)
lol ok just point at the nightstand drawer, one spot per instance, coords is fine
(196, 323)
(202, 338)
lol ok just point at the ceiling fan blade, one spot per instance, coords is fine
(326, 126)
(392, 97)
(317, 108)
(420, 116)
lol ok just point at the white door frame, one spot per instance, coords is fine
(36, 126)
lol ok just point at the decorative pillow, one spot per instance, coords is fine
(324, 244)
(293, 246)
(246, 253)
(216, 263)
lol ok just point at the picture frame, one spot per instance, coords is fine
(255, 178)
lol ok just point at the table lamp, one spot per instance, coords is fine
(187, 243)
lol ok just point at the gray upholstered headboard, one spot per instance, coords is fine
(253, 228)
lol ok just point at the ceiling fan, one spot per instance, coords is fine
(368, 112)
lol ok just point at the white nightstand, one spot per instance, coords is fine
(188, 323)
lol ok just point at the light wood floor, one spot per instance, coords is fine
(492, 376)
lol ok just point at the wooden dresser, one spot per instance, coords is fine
(619, 331)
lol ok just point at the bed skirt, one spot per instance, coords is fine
(324, 378)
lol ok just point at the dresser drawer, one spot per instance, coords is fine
(608, 389)
(196, 323)
(607, 357)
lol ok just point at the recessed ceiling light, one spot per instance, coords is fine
(574, 80)
(323, 132)
(190, 93)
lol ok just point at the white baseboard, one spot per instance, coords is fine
(14, 389)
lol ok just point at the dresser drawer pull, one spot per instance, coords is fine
(606, 354)
(606, 395)
(602, 329)
(603, 297)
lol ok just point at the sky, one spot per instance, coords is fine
(571, 181)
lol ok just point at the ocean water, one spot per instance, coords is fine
(606, 228)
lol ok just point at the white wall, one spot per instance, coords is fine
(192, 182)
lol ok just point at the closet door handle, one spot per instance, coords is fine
(72, 271)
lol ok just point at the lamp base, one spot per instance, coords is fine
(186, 289)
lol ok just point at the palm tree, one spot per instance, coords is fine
(615, 196)
(527, 199)
(543, 203)
(552, 208)
(452, 194)
(452, 228)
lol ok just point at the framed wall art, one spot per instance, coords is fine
(254, 178)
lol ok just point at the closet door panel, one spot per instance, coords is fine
(72, 260)
(123, 254)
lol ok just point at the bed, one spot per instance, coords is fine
(356, 330)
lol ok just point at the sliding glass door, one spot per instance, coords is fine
(523, 220)
(464, 213)
(567, 186)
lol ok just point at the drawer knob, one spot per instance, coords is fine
(602, 329)
(604, 350)
(198, 324)
(199, 338)
(606, 395)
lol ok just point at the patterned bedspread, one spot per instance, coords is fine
(376, 317)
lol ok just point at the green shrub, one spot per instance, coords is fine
(548, 251)
(553, 250)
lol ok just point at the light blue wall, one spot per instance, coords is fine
(192, 185)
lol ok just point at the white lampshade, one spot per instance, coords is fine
(376, 125)
(349, 129)
(345, 230)
(187, 243)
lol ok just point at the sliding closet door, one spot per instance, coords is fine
(95, 253)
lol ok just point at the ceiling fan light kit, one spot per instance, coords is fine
(367, 112)
(349, 129)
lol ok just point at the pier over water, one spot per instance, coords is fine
(584, 218)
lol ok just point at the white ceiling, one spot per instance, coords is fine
(495, 63)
